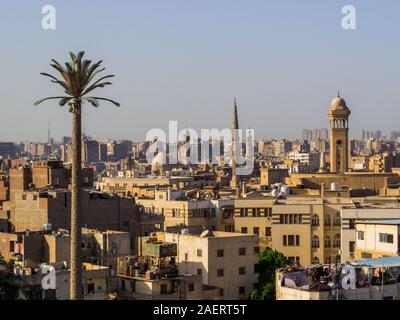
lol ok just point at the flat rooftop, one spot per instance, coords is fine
(385, 222)
(379, 262)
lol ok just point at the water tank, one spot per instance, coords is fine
(334, 186)
(275, 193)
(185, 231)
(285, 191)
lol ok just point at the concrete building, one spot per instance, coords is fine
(223, 259)
(154, 275)
(312, 158)
(374, 279)
(370, 211)
(94, 282)
(104, 247)
(376, 239)
(31, 210)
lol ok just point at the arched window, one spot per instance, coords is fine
(338, 219)
(315, 260)
(327, 242)
(336, 240)
(315, 220)
(315, 242)
(327, 220)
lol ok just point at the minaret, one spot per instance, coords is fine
(339, 113)
(235, 137)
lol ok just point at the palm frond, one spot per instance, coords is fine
(78, 78)
(50, 98)
(105, 99)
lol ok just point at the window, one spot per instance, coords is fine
(90, 288)
(338, 219)
(244, 230)
(294, 260)
(24, 197)
(163, 289)
(352, 224)
(242, 251)
(220, 272)
(315, 260)
(336, 240)
(315, 220)
(256, 230)
(268, 231)
(352, 246)
(186, 256)
(385, 238)
(220, 253)
(315, 242)
(199, 253)
(256, 250)
(242, 271)
(360, 235)
(327, 242)
(199, 272)
(242, 290)
(191, 287)
(267, 212)
(221, 292)
(291, 240)
(327, 221)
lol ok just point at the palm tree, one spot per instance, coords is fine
(77, 81)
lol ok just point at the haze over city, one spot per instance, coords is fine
(186, 60)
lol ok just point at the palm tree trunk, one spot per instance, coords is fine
(76, 232)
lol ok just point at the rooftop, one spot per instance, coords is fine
(379, 262)
(386, 222)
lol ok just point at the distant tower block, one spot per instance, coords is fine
(339, 113)
(322, 163)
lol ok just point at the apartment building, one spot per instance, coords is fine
(104, 247)
(224, 259)
(376, 239)
(305, 229)
(371, 210)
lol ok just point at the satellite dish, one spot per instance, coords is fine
(206, 234)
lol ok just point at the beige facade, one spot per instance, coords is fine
(104, 247)
(369, 210)
(304, 229)
(196, 214)
(225, 260)
(376, 239)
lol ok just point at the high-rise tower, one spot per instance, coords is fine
(339, 113)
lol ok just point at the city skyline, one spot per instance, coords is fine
(170, 63)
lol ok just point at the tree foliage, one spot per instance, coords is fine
(269, 261)
(78, 80)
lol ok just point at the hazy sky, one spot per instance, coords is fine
(185, 60)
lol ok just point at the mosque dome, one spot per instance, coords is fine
(338, 103)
